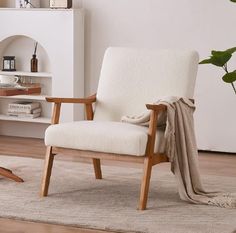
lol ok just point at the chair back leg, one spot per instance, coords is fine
(147, 169)
(97, 168)
(47, 171)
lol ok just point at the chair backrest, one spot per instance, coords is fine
(131, 78)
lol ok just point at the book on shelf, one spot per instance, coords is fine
(25, 115)
(23, 107)
(34, 111)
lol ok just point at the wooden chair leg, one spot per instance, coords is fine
(8, 174)
(47, 171)
(147, 169)
(97, 168)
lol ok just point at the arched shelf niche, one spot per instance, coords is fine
(60, 34)
(22, 47)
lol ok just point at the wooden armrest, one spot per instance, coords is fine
(58, 101)
(160, 107)
(88, 100)
(156, 107)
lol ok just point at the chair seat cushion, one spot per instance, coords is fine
(100, 136)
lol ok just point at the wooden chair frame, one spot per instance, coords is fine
(148, 160)
(9, 174)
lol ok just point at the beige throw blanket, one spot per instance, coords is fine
(181, 148)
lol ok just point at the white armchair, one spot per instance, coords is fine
(130, 78)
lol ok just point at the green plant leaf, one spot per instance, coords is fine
(233, 0)
(231, 50)
(217, 53)
(220, 60)
(206, 61)
(229, 77)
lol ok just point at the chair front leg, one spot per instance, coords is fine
(96, 162)
(49, 156)
(47, 171)
(147, 169)
(148, 161)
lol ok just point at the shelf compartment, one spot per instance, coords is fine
(15, 91)
(27, 74)
(55, 76)
(43, 120)
(26, 97)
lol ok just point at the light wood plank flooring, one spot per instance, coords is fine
(15, 226)
(210, 163)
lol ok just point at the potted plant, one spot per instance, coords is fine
(221, 59)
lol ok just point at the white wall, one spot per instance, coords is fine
(202, 25)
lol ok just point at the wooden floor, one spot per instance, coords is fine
(210, 163)
(15, 226)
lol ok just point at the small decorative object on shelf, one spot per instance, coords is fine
(27, 3)
(20, 4)
(9, 63)
(8, 80)
(24, 109)
(61, 3)
(23, 89)
(34, 60)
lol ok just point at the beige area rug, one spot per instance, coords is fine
(77, 199)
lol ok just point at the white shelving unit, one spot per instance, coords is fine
(60, 37)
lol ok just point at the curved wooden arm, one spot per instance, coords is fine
(160, 107)
(156, 107)
(88, 100)
(58, 101)
(155, 110)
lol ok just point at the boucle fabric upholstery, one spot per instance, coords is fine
(109, 137)
(131, 78)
